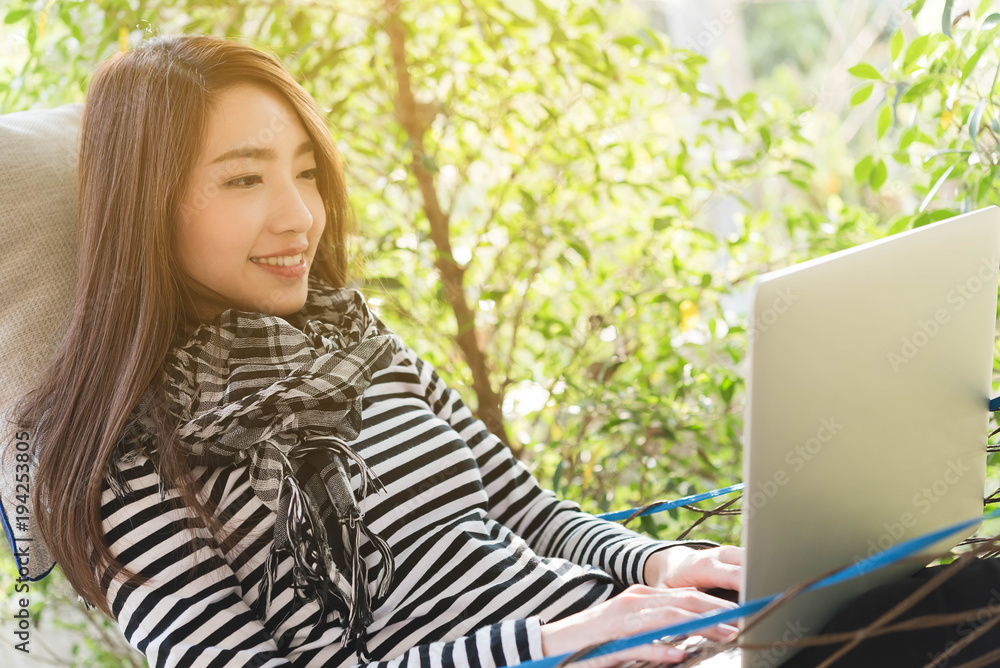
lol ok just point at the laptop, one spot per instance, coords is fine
(867, 413)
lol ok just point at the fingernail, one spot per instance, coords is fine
(677, 654)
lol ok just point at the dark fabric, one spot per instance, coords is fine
(974, 586)
(284, 396)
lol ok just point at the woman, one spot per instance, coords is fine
(221, 402)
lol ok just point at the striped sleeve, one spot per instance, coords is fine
(552, 528)
(507, 643)
(193, 612)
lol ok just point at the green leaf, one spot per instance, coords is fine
(916, 7)
(899, 225)
(428, 163)
(946, 17)
(77, 33)
(884, 119)
(746, 104)
(878, 175)
(916, 90)
(580, 248)
(941, 214)
(970, 64)
(863, 169)
(865, 71)
(937, 186)
(984, 187)
(16, 15)
(727, 386)
(896, 44)
(975, 118)
(765, 136)
(862, 94)
(629, 41)
(804, 163)
(909, 134)
(991, 21)
(916, 49)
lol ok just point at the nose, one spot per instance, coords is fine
(291, 211)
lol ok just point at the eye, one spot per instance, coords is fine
(312, 173)
(242, 181)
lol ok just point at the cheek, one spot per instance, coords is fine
(190, 238)
(212, 239)
(319, 222)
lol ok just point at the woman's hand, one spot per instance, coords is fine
(637, 609)
(680, 566)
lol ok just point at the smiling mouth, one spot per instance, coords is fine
(280, 260)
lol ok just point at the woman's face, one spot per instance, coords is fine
(252, 217)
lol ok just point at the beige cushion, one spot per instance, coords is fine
(38, 242)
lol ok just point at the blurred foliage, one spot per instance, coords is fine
(62, 631)
(803, 45)
(937, 120)
(606, 204)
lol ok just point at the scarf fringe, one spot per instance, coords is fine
(387, 561)
(313, 569)
(361, 611)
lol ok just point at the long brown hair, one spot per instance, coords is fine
(142, 129)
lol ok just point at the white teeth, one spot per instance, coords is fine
(280, 260)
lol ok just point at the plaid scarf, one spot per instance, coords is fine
(283, 397)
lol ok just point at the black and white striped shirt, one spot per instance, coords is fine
(483, 554)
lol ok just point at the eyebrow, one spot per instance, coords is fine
(261, 152)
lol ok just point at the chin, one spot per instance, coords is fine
(282, 303)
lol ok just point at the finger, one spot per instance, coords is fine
(686, 598)
(726, 576)
(716, 575)
(659, 653)
(730, 554)
(719, 632)
(687, 609)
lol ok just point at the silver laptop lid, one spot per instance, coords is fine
(867, 412)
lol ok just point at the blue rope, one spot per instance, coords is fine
(893, 554)
(667, 505)
(616, 515)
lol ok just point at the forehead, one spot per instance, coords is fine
(249, 115)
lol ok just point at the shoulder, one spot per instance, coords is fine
(139, 505)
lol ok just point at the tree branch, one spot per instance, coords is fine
(452, 274)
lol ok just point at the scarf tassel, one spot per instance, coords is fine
(267, 580)
(387, 561)
(361, 610)
(313, 569)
